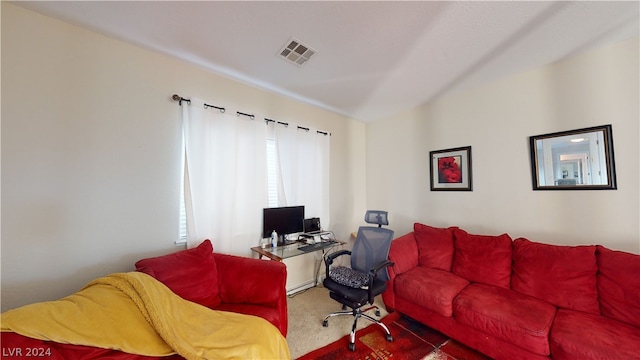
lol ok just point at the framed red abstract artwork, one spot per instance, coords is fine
(451, 169)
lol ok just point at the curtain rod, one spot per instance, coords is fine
(251, 116)
(317, 131)
(275, 121)
(215, 107)
(180, 99)
(267, 120)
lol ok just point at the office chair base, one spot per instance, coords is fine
(359, 313)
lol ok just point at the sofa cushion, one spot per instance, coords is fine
(191, 274)
(579, 335)
(435, 246)
(565, 276)
(619, 285)
(271, 314)
(433, 289)
(403, 253)
(482, 258)
(510, 316)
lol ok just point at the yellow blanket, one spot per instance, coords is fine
(134, 313)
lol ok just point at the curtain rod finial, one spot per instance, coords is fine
(180, 99)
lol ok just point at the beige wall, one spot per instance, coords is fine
(596, 88)
(90, 153)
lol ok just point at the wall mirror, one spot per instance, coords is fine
(573, 160)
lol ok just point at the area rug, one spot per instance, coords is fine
(411, 341)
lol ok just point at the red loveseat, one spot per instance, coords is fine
(217, 281)
(518, 299)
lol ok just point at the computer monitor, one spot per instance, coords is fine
(284, 220)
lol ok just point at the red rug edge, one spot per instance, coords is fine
(343, 341)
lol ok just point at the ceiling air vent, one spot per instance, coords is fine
(296, 52)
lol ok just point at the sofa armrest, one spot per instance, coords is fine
(243, 280)
(404, 255)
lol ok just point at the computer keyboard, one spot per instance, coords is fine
(316, 246)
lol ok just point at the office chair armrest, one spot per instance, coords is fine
(374, 276)
(329, 259)
(382, 265)
(374, 271)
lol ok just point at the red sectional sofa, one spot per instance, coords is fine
(217, 281)
(518, 299)
(224, 282)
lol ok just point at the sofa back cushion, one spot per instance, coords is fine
(482, 258)
(435, 246)
(619, 285)
(564, 276)
(191, 274)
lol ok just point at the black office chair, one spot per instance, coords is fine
(367, 277)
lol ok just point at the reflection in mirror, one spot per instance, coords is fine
(571, 160)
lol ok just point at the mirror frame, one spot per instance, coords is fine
(608, 155)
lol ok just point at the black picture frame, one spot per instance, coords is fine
(450, 169)
(581, 159)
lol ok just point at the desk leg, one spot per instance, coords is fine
(319, 266)
(315, 279)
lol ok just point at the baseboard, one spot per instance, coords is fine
(301, 287)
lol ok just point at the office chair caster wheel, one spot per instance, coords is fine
(325, 323)
(378, 312)
(389, 338)
(352, 346)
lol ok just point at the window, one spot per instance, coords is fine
(272, 187)
(183, 220)
(272, 172)
(182, 223)
(237, 166)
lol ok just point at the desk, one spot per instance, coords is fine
(287, 251)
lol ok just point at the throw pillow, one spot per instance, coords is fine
(191, 274)
(435, 246)
(482, 258)
(348, 277)
(619, 285)
(564, 276)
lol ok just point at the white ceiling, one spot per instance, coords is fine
(373, 59)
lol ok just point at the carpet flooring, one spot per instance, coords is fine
(306, 312)
(411, 341)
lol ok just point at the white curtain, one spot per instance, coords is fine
(303, 156)
(225, 172)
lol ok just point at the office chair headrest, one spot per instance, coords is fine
(378, 217)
